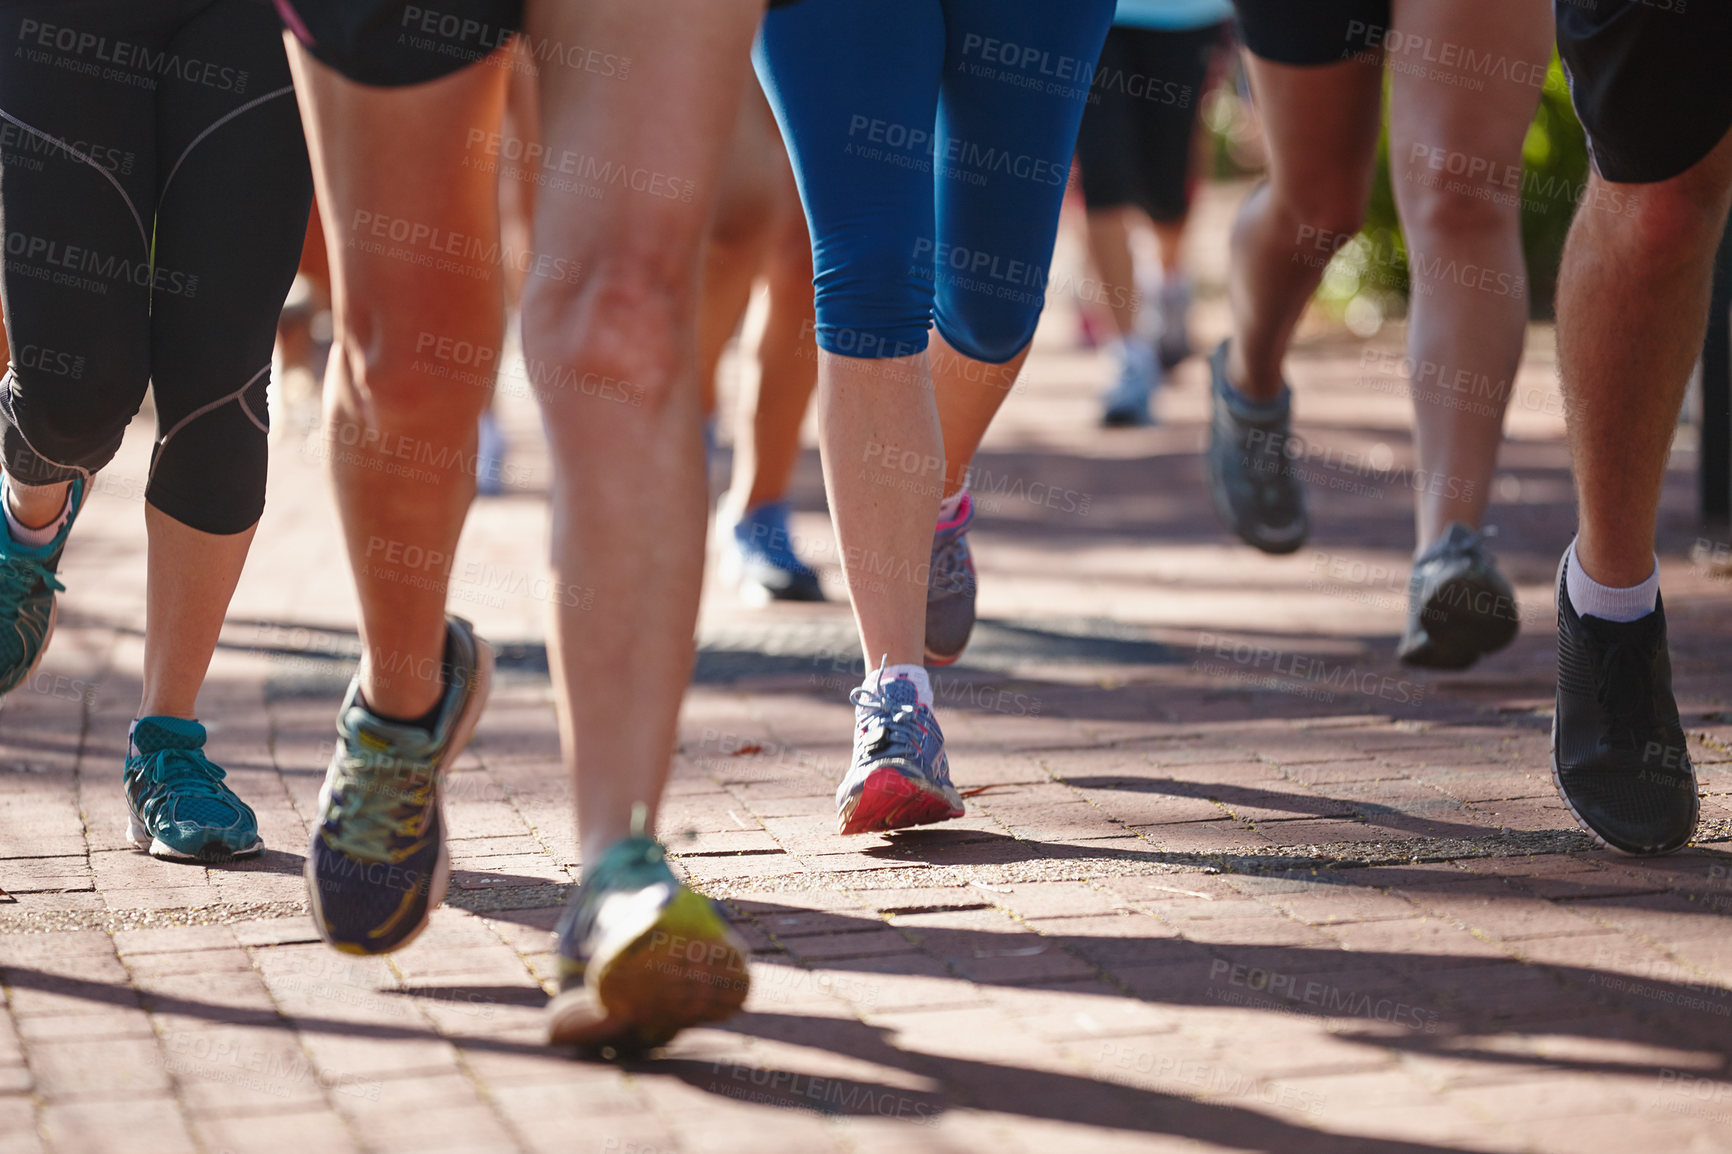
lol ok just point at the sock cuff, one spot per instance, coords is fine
(1609, 602)
(916, 675)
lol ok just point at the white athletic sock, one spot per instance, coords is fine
(1591, 599)
(948, 509)
(911, 673)
(23, 534)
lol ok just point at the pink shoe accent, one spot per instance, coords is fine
(891, 800)
(963, 511)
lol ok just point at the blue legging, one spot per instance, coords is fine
(932, 141)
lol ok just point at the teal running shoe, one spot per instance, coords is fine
(28, 583)
(377, 864)
(642, 955)
(180, 808)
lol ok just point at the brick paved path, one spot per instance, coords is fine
(1230, 878)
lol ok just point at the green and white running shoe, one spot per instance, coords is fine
(641, 955)
(28, 583)
(377, 864)
(180, 808)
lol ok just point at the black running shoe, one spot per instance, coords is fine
(1618, 752)
(1459, 607)
(1251, 480)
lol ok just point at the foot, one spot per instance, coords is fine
(763, 561)
(899, 776)
(490, 448)
(950, 588)
(1173, 315)
(1459, 607)
(28, 583)
(1618, 751)
(1127, 403)
(377, 865)
(641, 955)
(1251, 480)
(180, 809)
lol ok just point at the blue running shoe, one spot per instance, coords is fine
(642, 956)
(28, 583)
(764, 563)
(900, 776)
(180, 808)
(377, 864)
(951, 587)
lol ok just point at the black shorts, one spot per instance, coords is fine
(1651, 82)
(1309, 32)
(391, 42)
(1135, 142)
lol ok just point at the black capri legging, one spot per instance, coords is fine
(154, 191)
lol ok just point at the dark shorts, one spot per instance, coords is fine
(390, 43)
(1651, 82)
(1135, 143)
(1310, 32)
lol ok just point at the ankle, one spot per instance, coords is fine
(33, 510)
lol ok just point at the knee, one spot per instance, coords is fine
(1321, 215)
(402, 369)
(990, 331)
(1657, 224)
(66, 417)
(621, 335)
(874, 301)
(1435, 217)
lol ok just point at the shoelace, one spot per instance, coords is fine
(1624, 667)
(897, 735)
(180, 774)
(370, 811)
(19, 577)
(949, 573)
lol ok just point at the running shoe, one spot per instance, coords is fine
(764, 563)
(377, 864)
(1619, 757)
(899, 776)
(1173, 315)
(179, 807)
(641, 955)
(1251, 480)
(1127, 403)
(950, 588)
(1459, 607)
(28, 583)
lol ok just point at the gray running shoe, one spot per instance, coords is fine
(1173, 315)
(1251, 481)
(1459, 607)
(950, 589)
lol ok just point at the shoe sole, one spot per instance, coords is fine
(140, 838)
(1558, 784)
(482, 684)
(1468, 636)
(890, 799)
(654, 987)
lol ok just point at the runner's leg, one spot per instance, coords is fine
(415, 349)
(629, 495)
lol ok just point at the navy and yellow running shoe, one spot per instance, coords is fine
(642, 956)
(28, 583)
(179, 807)
(377, 863)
